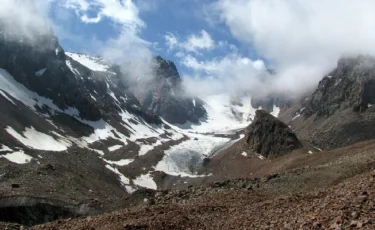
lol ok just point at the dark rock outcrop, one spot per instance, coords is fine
(270, 137)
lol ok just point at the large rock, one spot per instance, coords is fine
(270, 137)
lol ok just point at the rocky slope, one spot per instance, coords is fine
(339, 112)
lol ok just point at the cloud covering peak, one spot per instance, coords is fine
(302, 39)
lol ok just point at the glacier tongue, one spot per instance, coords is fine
(223, 115)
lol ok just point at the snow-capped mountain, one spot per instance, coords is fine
(77, 111)
(57, 104)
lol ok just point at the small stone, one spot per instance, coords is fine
(338, 220)
(362, 198)
(355, 215)
(354, 223)
(317, 224)
(369, 221)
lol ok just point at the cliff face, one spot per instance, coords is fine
(350, 85)
(339, 112)
(270, 137)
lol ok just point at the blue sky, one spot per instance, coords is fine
(220, 44)
(182, 19)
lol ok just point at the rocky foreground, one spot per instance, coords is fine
(323, 190)
(348, 205)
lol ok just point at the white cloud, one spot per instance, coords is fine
(232, 73)
(302, 38)
(147, 5)
(193, 43)
(171, 40)
(21, 18)
(201, 41)
(123, 12)
(128, 48)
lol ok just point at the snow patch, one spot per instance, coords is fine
(260, 156)
(93, 63)
(5, 148)
(123, 179)
(295, 117)
(38, 140)
(18, 157)
(76, 72)
(130, 189)
(145, 181)
(122, 162)
(145, 148)
(29, 98)
(275, 111)
(113, 96)
(40, 73)
(244, 154)
(115, 147)
(6, 97)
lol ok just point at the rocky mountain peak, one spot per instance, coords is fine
(270, 137)
(167, 70)
(166, 97)
(350, 85)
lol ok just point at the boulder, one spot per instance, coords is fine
(270, 137)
